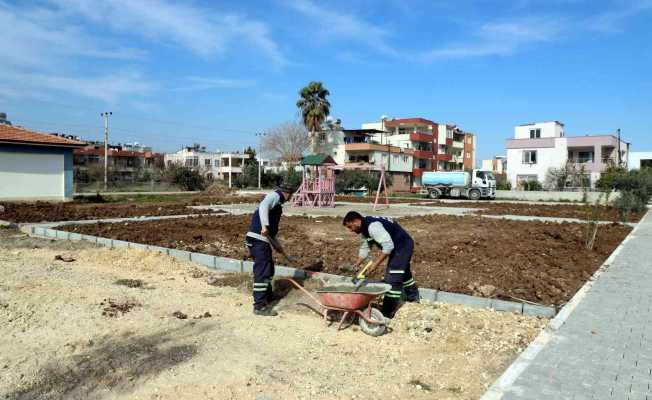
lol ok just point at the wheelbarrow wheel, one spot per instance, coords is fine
(374, 329)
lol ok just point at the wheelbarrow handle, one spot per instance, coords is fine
(304, 290)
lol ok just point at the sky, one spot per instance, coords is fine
(175, 73)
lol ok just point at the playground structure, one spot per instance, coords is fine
(317, 188)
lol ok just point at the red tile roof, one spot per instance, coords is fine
(13, 134)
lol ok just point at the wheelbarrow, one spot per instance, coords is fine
(351, 300)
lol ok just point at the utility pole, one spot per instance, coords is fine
(106, 116)
(619, 161)
(260, 161)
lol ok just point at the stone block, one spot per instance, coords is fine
(538, 311)
(158, 249)
(204, 259)
(138, 246)
(119, 244)
(229, 264)
(463, 299)
(508, 306)
(180, 254)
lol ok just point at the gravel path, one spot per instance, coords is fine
(58, 344)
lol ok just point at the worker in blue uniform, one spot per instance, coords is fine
(396, 248)
(260, 240)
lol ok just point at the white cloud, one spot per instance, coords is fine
(613, 20)
(41, 38)
(500, 38)
(341, 26)
(202, 31)
(207, 83)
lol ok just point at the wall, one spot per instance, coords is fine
(635, 158)
(547, 157)
(548, 130)
(551, 196)
(35, 173)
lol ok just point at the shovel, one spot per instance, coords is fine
(360, 279)
(277, 246)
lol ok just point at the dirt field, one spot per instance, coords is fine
(457, 254)
(52, 212)
(70, 331)
(536, 210)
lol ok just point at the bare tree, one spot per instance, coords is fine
(287, 141)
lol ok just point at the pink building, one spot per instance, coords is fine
(537, 147)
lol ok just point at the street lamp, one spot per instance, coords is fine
(260, 136)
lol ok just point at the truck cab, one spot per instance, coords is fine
(486, 182)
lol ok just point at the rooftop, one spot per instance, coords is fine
(17, 135)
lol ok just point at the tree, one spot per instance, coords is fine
(566, 176)
(287, 141)
(314, 107)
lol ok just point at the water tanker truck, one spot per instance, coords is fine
(474, 185)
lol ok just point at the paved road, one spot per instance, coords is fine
(603, 349)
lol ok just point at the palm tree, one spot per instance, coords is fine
(314, 107)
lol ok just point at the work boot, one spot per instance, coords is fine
(265, 312)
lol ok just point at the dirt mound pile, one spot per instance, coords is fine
(218, 189)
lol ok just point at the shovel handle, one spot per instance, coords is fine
(369, 264)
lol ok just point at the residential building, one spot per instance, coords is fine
(213, 164)
(498, 165)
(640, 159)
(537, 147)
(359, 149)
(436, 147)
(35, 166)
(3, 119)
(126, 163)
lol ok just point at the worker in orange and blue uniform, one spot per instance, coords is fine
(260, 240)
(397, 247)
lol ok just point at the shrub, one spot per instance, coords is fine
(637, 183)
(532, 186)
(628, 203)
(502, 183)
(185, 177)
(352, 179)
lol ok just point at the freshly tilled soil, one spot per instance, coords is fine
(540, 262)
(579, 211)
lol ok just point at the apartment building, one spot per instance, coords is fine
(213, 164)
(436, 147)
(537, 147)
(361, 149)
(125, 161)
(497, 165)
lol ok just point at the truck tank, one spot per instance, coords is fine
(447, 178)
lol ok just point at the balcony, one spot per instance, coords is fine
(417, 172)
(457, 159)
(420, 137)
(458, 145)
(444, 157)
(427, 154)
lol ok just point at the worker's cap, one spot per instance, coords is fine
(287, 188)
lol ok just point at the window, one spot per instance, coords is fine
(584, 156)
(405, 159)
(449, 133)
(169, 163)
(535, 133)
(395, 159)
(217, 162)
(468, 155)
(207, 162)
(529, 157)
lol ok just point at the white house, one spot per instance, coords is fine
(537, 147)
(640, 159)
(213, 164)
(35, 166)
